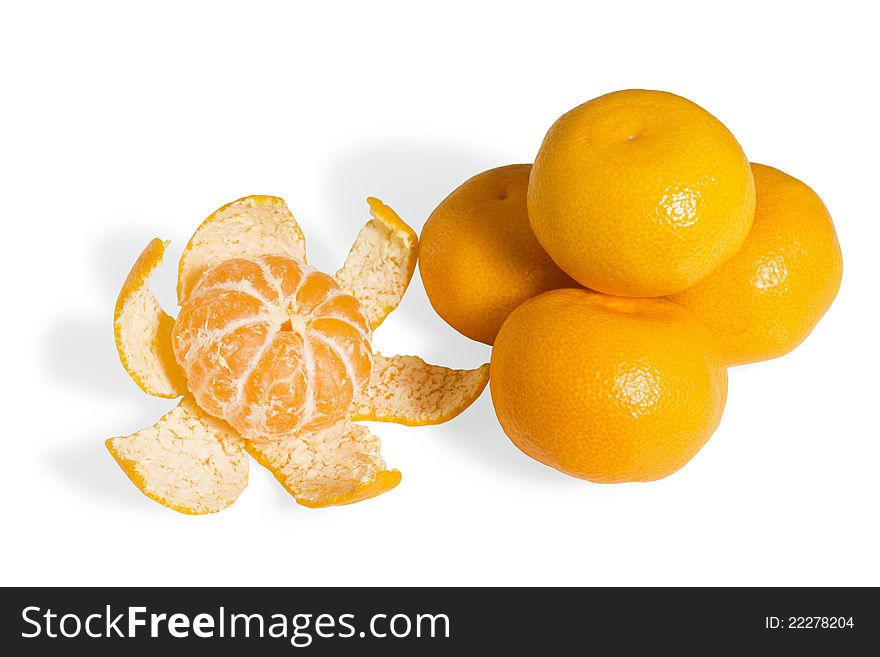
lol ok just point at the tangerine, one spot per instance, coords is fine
(768, 297)
(640, 193)
(479, 258)
(272, 346)
(606, 388)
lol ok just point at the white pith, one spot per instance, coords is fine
(282, 311)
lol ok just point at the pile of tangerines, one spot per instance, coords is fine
(620, 275)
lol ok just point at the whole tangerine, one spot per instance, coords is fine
(605, 388)
(479, 258)
(640, 193)
(768, 297)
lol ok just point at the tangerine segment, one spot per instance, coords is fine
(407, 390)
(272, 346)
(337, 465)
(143, 330)
(187, 461)
(381, 263)
(249, 227)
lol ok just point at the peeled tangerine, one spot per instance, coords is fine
(607, 388)
(272, 346)
(274, 358)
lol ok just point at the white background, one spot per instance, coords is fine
(120, 124)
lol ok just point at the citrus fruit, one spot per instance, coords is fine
(283, 353)
(479, 257)
(606, 388)
(640, 193)
(765, 300)
(272, 346)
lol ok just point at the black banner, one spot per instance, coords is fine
(334, 621)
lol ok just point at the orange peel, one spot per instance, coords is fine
(143, 330)
(407, 390)
(381, 263)
(330, 467)
(194, 463)
(188, 461)
(249, 227)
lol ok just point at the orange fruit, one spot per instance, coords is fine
(282, 352)
(640, 193)
(606, 388)
(272, 346)
(765, 300)
(479, 258)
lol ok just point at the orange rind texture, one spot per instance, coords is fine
(381, 263)
(407, 390)
(249, 227)
(143, 330)
(187, 461)
(338, 465)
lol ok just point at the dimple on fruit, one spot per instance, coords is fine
(605, 388)
(479, 258)
(640, 193)
(768, 297)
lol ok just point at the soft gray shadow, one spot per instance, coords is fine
(88, 467)
(478, 436)
(412, 178)
(79, 350)
(81, 354)
(112, 257)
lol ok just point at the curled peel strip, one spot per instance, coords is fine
(338, 465)
(187, 461)
(381, 263)
(407, 390)
(249, 227)
(143, 330)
